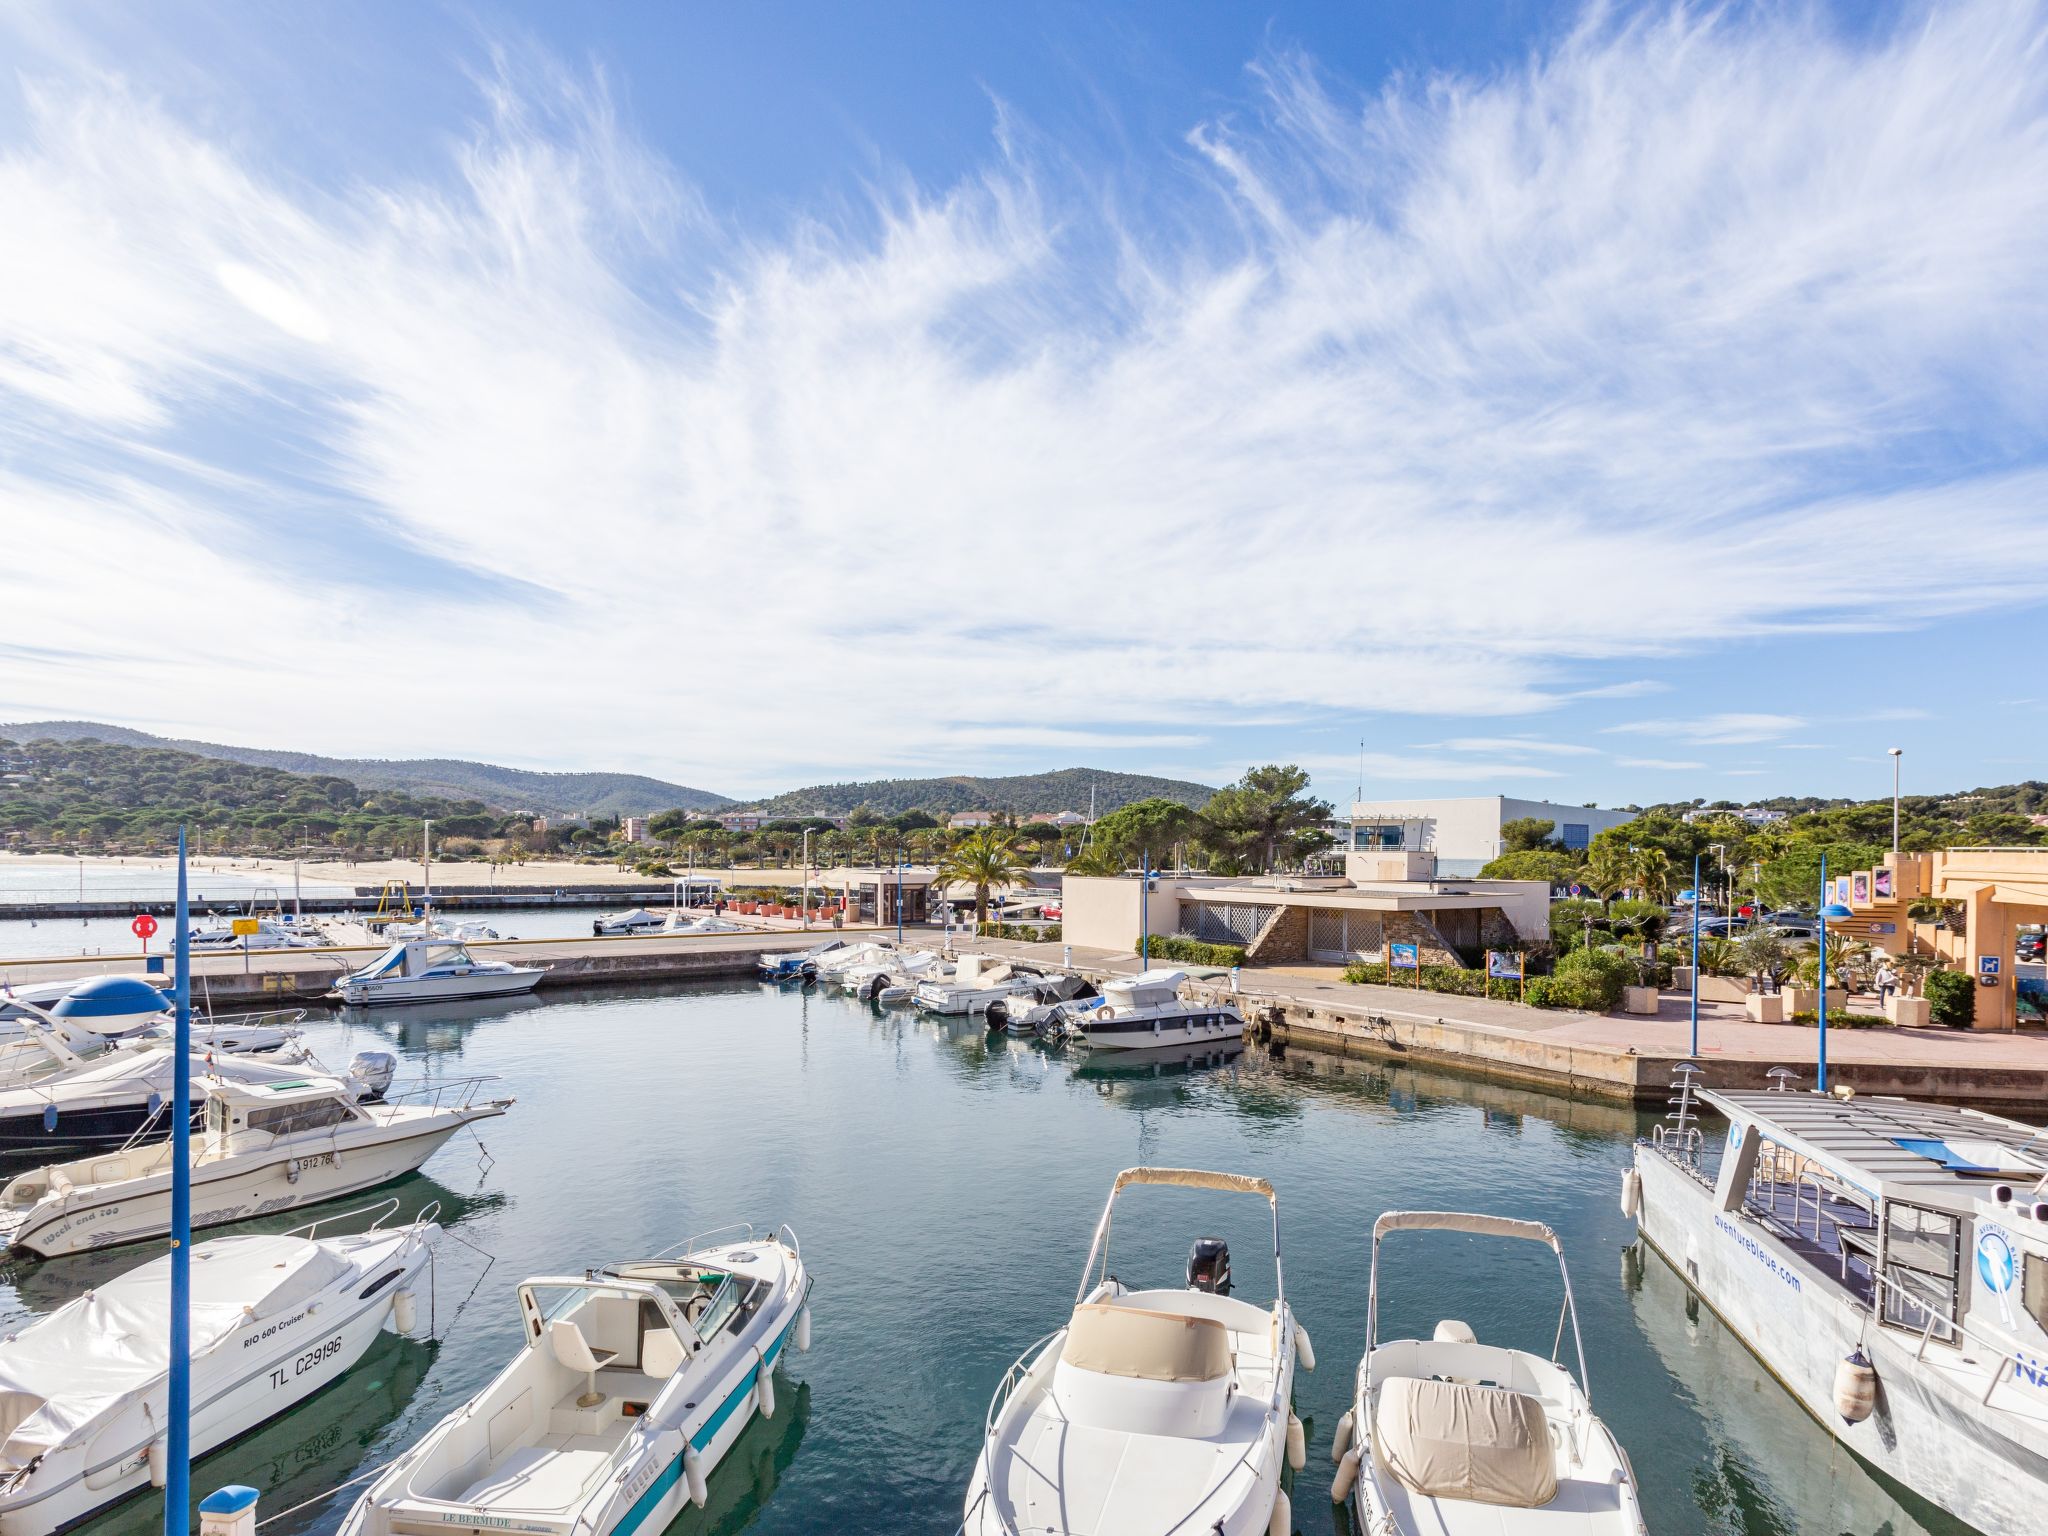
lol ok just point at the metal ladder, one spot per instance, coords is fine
(1680, 1136)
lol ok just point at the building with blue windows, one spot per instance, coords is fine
(1461, 833)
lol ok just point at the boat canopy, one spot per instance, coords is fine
(89, 1357)
(1477, 1223)
(1197, 1178)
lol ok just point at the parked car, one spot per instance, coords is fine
(2033, 946)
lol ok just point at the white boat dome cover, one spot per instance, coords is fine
(1454, 1440)
(89, 1357)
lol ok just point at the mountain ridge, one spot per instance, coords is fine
(1021, 794)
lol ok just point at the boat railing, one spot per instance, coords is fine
(1012, 1379)
(436, 1095)
(268, 1018)
(1956, 1330)
(382, 1212)
(696, 1240)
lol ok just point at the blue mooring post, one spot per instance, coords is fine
(1145, 910)
(178, 1411)
(1821, 1082)
(1695, 956)
(899, 895)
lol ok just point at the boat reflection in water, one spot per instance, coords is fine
(430, 1028)
(323, 1442)
(742, 1484)
(1767, 1471)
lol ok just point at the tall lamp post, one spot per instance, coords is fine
(1896, 754)
(1828, 909)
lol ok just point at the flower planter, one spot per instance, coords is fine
(1911, 1012)
(1766, 1007)
(1639, 1000)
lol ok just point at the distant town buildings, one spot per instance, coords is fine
(961, 819)
(1755, 815)
(633, 828)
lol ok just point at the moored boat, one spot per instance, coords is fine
(631, 1382)
(1146, 1010)
(432, 971)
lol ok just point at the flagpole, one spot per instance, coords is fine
(178, 1412)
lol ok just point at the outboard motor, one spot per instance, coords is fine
(1209, 1266)
(374, 1070)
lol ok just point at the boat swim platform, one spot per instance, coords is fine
(1615, 1056)
(266, 977)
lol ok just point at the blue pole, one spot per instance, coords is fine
(1144, 910)
(1695, 956)
(178, 1413)
(1822, 1081)
(899, 895)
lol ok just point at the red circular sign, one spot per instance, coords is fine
(143, 927)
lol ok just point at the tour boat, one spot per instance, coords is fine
(107, 1100)
(264, 1148)
(432, 971)
(1150, 1411)
(1449, 1435)
(631, 1382)
(1888, 1262)
(274, 1319)
(1145, 1010)
(795, 964)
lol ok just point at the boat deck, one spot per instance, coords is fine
(1835, 1234)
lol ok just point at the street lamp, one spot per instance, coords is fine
(1896, 754)
(1828, 909)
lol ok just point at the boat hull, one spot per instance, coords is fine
(438, 989)
(256, 1385)
(1927, 1432)
(245, 1192)
(1195, 1028)
(97, 1126)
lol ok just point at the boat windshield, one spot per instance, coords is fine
(440, 955)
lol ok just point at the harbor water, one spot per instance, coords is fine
(944, 1186)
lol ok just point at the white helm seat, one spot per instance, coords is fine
(574, 1351)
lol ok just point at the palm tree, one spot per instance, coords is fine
(982, 859)
(1650, 873)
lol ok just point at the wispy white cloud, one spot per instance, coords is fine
(1009, 452)
(1724, 729)
(1674, 764)
(1514, 744)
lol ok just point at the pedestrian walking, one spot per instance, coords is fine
(1887, 984)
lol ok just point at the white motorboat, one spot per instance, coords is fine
(1888, 1262)
(976, 982)
(831, 969)
(1448, 1436)
(271, 933)
(1150, 1411)
(633, 1380)
(795, 964)
(1146, 1010)
(265, 1147)
(274, 1319)
(893, 969)
(434, 926)
(623, 924)
(432, 971)
(105, 1101)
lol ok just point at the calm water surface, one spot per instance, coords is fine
(944, 1188)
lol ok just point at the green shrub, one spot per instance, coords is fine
(1171, 946)
(1050, 933)
(1952, 998)
(1840, 1020)
(1590, 979)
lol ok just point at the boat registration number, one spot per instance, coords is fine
(316, 1160)
(311, 1360)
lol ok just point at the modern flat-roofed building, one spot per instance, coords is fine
(1462, 833)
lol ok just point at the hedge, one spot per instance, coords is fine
(1456, 980)
(1839, 1020)
(1951, 997)
(1171, 946)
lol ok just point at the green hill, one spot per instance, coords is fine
(502, 789)
(1023, 794)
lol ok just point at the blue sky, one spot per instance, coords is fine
(1617, 403)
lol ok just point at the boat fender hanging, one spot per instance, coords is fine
(764, 1385)
(1304, 1351)
(1855, 1388)
(803, 1331)
(1340, 1442)
(157, 1456)
(49, 1117)
(1631, 1191)
(1347, 1474)
(693, 1474)
(405, 1312)
(1282, 1521)
(291, 1170)
(1297, 1442)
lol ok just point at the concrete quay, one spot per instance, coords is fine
(1613, 1056)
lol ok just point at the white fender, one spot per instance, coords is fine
(405, 1312)
(764, 1385)
(291, 1171)
(1282, 1521)
(1304, 1351)
(1340, 1442)
(1631, 1192)
(1297, 1443)
(1347, 1474)
(803, 1331)
(157, 1454)
(693, 1474)
(1855, 1388)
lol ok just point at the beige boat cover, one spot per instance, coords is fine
(1151, 1346)
(1465, 1221)
(1452, 1440)
(1195, 1178)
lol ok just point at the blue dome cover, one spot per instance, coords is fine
(111, 997)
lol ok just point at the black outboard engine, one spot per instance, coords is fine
(1209, 1266)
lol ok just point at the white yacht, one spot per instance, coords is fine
(631, 1382)
(271, 933)
(1145, 1010)
(274, 1319)
(1149, 1411)
(51, 1048)
(105, 1101)
(435, 926)
(1888, 1262)
(264, 1148)
(432, 971)
(1448, 1436)
(976, 982)
(625, 924)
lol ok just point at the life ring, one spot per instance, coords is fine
(1102, 1012)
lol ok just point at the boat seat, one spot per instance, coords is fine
(1453, 1440)
(661, 1353)
(574, 1351)
(1148, 1345)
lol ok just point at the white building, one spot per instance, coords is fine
(962, 819)
(1463, 833)
(633, 828)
